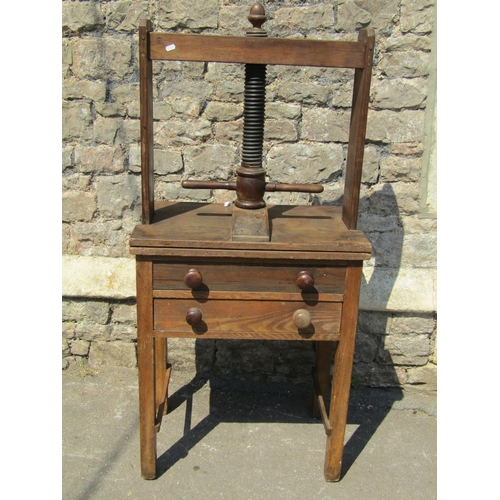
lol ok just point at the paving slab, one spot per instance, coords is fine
(218, 441)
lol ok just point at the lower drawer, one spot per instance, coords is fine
(247, 319)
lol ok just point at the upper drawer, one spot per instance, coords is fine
(246, 277)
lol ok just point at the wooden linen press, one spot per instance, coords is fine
(249, 271)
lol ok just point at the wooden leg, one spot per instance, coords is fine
(146, 366)
(323, 360)
(342, 371)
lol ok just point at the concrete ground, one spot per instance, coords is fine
(222, 442)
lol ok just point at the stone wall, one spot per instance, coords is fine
(198, 128)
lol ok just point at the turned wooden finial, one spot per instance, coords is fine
(257, 17)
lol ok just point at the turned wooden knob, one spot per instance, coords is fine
(305, 280)
(193, 279)
(194, 316)
(301, 318)
(257, 17)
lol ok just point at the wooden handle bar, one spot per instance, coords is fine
(270, 186)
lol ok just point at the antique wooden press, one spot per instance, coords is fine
(251, 271)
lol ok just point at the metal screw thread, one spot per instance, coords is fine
(253, 115)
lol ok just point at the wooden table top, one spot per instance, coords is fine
(186, 228)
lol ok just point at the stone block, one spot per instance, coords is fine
(100, 159)
(102, 277)
(124, 15)
(392, 126)
(187, 107)
(304, 163)
(415, 224)
(118, 354)
(325, 125)
(126, 93)
(410, 148)
(424, 376)
(129, 132)
(371, 322)
(233, 19)
(419, 250)
(68, 329)
(67, 56)
(90, 331)
(117, 194)
(190, 89)
(78, 17)
(398, 93)
(366, 347)
(379, 200)
(417, 16)
(124, 313)
(384, 289)
(102, 58)
(248, 360)
(134, 158)
(219, 73)
(374, 375)
(410, 350)
(229, 131)
(409, 64)
(111, 109)
(76, 121)
(122, 332)
(177, 132)
(378, 224)
(215, 162)
(384, 13)
(133, 110)
(167, 161)
(387, 248)
(65, 347)
(223, 112)
(341, 95)
(67, 157)
(186, 14)
(227, 90)
(85, 310)
(281, 110)
(406, 42)
(304, 18)
(280, 130)
(407, 195)
(400, 168)
(80, 347)
(351, 17)
(84, 89)
(303, 93)
(103, 238)
(161, 110)
(370, 174)
(412, 324)
(78, 205)
(106, 129)
(181, 354)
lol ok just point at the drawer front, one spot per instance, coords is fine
(228, 276)
(268, 319)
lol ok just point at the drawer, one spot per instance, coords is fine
(237, 276)
(257, 319)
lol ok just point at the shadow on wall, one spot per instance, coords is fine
(248, 378)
